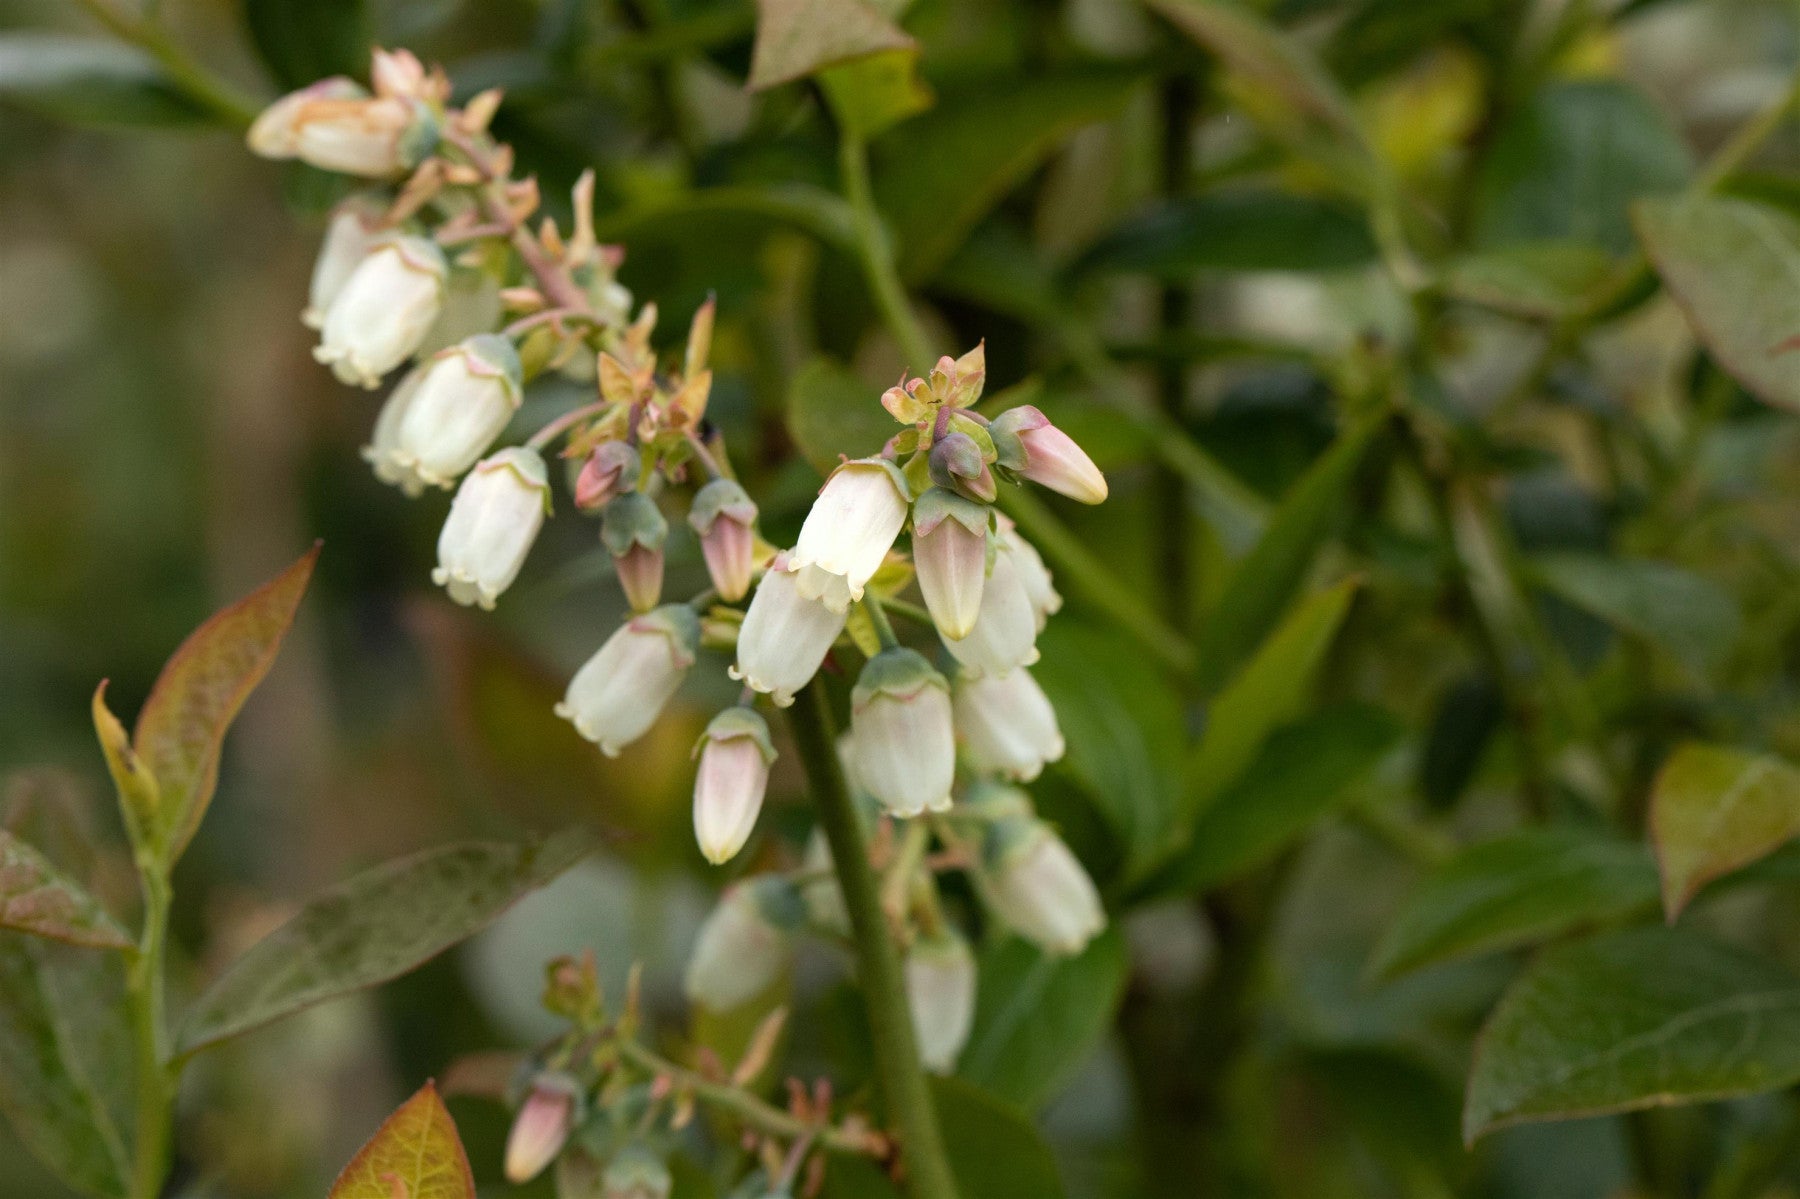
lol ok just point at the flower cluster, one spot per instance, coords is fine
(940, 730)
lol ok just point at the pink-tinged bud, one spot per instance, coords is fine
(784, 638)
(274, 133)
(724, 516)
(446, 413)
(746, 944)
(1051, 456)
(620, 691)
(356, 227)
(540, 1129)
(493, 520)
(956, 463)
(381, 314)
(610, 471)
(940, 990)
(849, 530)
(1039, 889)
(633, 530)
(1005, 634)
(904, 741)
(1045, 600)
(735, 755)
(949, 547)
(636, 1172)
(1006, 724)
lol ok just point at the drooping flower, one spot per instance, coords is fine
(950, 554)
(356, 227)
(336, 126)
(940, 990)
(1038, 887)
(849, 530)
(1051, 456)
(542, 1126)
(633, 529)
(493, 520)
(724, 517)
(905, 742)
(735, 754)
(618, 694)
(1046, 601)
(1005, 634)
(274, 133)
(785, 636)
(1007, 724)
(745, 944)
(383, 310)
(446, 413)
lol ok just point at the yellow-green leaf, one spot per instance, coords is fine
(36, 897)
(140, 799)
(415, 1154)
(1715, 809)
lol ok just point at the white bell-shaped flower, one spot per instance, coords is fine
(904, 742)
(735, 754)
(1005, 634)
(1046, 601)
(746, 943)
(1038, 887)
(275, 132)
(949, 545)
(356, 227)
(1006, 724)
(382, 311)
(446, 413)
(493, 520)
(849, 530)
(618, 694)
(784, 638)
(940, 990)
(382, 452)
(375, 138)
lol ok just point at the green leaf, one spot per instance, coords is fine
(307, 40)
(812, 210)
(1715, 808)
(1263, 585)
(415, 1154)
(54, 1044)
(1646, 1017)
(939, 174)
(1541, 279)
(794, 38)
(994, 1150)
(1469, 712)
(831, 412)
(1690, 616)
(182, 726)
(872, 95)
(1734, 267)
(1037, 1017)
(1516, 890)
(1305, 771)
(374, 927)
(90, 81)
(36, 897)
(1242, 229)
(1569, 161)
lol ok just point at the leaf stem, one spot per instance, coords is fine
(902, 1078)
(877, 254)
(155, 1076)
(197, 83)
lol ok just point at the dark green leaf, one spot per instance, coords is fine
(831, 412)
(1641, 1018)
(1734, 267)
(1570, 160)
(1038, 1016)
(1516, 890)
(1714, 809)
(1468, 714)
(307, 40)
(794, 38)
(810, 209)
(90, 81)
(994, 1150)
(1244, 229)
(1691, 617)
(1544, 279)
(1400, 1109)
(36, 897)
(375, 927)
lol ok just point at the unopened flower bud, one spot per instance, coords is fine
(940, 990)
(541, 1127)
(735, 754)
(493, 520)
(618, 694)
(1006, 724)
(356, 227)
(1039, 889)
(633, 529)
(905, 743)
(1005, 634)
(784, 638)
(745, 944)
(1045, 600)
(274, 133)
(372, 137)
(724, 516)
(611, 470)
(849, 530)
(1051, 456)
(445, 413)
(382, 312)
(950, 554)
(956, 463)
(636, 1172)
(397, 73)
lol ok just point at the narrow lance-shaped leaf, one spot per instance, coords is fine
(1646, 1017)
(1714, 809)
(1689, 616)
(36, 897)
(183, 723)
(375, 927)
(140, 799)
(415, 1154)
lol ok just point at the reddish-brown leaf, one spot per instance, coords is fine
(35, 897)
(415, 1154)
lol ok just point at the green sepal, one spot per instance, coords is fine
(899, 672)
(632, 519)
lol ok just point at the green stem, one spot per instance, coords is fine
(155, 1077)
(199, 84)
(903, 1083)
(884, 631)
(877, 255)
